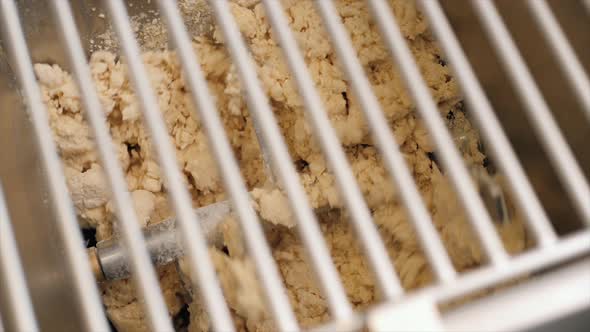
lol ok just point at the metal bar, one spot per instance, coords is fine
(143, 272)
(15, 297)
(360, 215)
(567, 287)
(567, 248)
(202, 270)
(450, 157)
(83, 284)
(489, 125)
(574, 246)
(307, 225)
(537, 110)
(562, 51)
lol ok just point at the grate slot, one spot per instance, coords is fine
(562, 51)
(15, 297)
(144, 273)
(84, 285)
(201, 266)
(489, 125)
(537, 110)
(450, 157)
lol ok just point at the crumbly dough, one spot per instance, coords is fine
(133, 146)
(273, 206)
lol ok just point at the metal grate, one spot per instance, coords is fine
(391, 315)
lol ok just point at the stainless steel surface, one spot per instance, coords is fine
(537, 110)
(546, 173)
(490, 126)
(18, 313)
(505, 104)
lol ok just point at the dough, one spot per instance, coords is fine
(134, 148)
